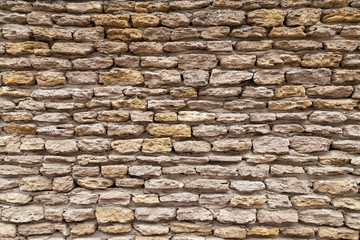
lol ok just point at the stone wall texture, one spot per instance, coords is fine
(181, 120)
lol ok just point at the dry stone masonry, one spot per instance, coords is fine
(181, 119)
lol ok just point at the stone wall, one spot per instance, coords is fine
(182, 120)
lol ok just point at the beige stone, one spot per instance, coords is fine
(167, 130)
(115, 228)
(248, 201)
(50, 79)
(263, 231)
(127, 34)
(310, 200)
(266, 18)
(350, 15)
(181, 227)
(336, 187)
(230, 232)
(37, 48)
(110, 20)
(118, 76)
(157, 146)
(114, 214)
(144, 20)
(18, 78)
(94, 182)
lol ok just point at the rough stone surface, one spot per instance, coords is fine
(182, 120)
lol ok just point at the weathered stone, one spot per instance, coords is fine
(183, 227)
(304, 144)
(114, 171)
(132, 103)
(29, 47)
(144, 20)
(218, 17)
(197, 61)
(193, 214)
(157, 146)
(310, 200)
(153, 229)
(336, 187)
(234, 215)
(271, 61)
(271, 145)
(23, 214)
(94, 182)
(288, 185)
(266, 18)
(321, 217)
(50, 79)
(71, 20)
(236, 62)
(350, 15)
(248, 201)
(114, 214)
(147, 199)
(167, 130)
(215, 32)
(48, 34)
(154, 214)
(18, 78)
(121, 77)
(249, 32)
(151, 7)
(69, 48)
(127, 34)
(303, 17)
(321, 60)
(163, 184)
(247, 186)
(92, 63)
(250, 46)
(263, 231)
(277, 216)
(7, 230)
(337, 233)
(299, 232)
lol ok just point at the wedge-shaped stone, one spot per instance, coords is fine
(218, 17)
(322, 217)
(234, 215)
(123, 77)
(336, 187)
(114, 214)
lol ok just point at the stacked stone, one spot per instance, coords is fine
(182, 120)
